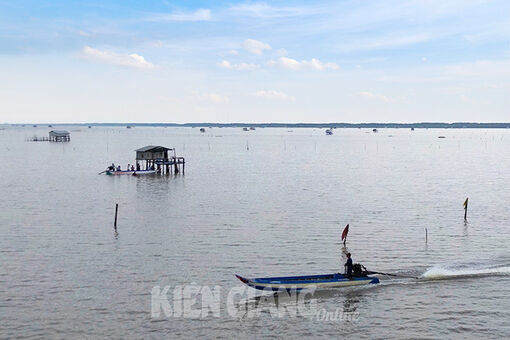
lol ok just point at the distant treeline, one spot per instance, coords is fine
(327, 125)
(458, 125)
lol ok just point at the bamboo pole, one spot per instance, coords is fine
(465, 208)
(116, 211)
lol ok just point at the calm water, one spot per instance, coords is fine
(276, 209)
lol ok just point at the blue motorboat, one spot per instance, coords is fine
(296, 283)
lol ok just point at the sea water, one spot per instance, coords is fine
(260, 203)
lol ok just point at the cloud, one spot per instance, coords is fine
(265, 11)
(255, 46)
(233, 52)
(239, 67)
(293, 64)
(374, 96)
(198, 15)
(108, 57)
(214, 98)
(281, 52)
(480, 68)
(85, 34)
(273, 95)
(386, 42)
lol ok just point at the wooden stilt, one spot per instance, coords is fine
(115, 221)
(465, 208)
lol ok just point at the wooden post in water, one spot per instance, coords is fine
(426, 235)
(465, 208)
(116, 211)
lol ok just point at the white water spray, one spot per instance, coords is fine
(442, 272)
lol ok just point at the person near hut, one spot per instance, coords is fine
(137, 166)
(132, 168)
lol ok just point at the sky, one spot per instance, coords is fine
(276, 61)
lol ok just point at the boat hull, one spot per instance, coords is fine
(136, 172)
(296, 283)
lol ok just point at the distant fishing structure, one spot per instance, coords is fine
(53, 136)
(150, 160)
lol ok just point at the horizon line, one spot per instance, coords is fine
(272, 124)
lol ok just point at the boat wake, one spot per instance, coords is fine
(445, 272)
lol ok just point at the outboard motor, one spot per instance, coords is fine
(359, 270)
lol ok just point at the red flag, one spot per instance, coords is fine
(345, 232)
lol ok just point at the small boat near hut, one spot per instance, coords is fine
(130, 172)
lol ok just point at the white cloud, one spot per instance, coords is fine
(386, 42)
(273, 95)
(239, 67)
(281, 52)
(108, 57)
(265, 11)
(85, 34)
(293, 64)
(374, 96)
(255, 46)
(233, 52)
(480, 68)
(214, 98)
(158, 44)
(198, 15)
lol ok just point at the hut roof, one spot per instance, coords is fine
(152, 148)
(59, 133)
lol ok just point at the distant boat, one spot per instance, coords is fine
(329, 132)
(90, 126)
(35, 125)
(245, 129)
(202, 130)
(374, 130)
(441, 137)
(412, 129)
(128, 127)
